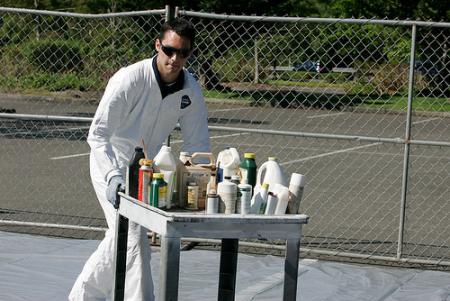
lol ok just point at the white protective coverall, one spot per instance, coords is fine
(132, 109)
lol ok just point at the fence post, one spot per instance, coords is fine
(256, 79)
(407, 142)
(171, 12)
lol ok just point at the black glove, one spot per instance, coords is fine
(115, 185)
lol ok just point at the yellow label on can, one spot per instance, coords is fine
(192, 197)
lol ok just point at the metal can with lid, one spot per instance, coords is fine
(192, 196)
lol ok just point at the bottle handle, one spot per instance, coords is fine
(261, 169)
(203, 155)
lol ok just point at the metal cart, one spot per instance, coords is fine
(172, 226)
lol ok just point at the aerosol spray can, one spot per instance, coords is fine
(132, 177)
(212, 203)
(245, 196)
(145, 178)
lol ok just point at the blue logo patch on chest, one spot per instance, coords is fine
(185, 101)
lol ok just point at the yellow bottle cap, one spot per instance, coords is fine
(249, 155)
(272, 159)
(147, 162)
(158, 176)
(265, 185)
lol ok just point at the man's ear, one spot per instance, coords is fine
(157, 45)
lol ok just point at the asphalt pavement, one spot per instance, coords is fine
(353, 188)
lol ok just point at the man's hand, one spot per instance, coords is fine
(115, 185)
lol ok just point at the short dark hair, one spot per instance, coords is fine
(181, 26)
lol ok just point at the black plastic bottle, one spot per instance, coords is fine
(132, 180)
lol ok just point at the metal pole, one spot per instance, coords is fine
(407, 143)
(228, 268)
(171, 12)
(291, 269)
(169, 268)
(120, 257)
(256, 79)
(331, 253)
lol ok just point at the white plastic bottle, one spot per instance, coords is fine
(270, 172)
(227, 192)
(227, 163)
(166, 162)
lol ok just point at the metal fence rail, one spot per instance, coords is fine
(361, 107)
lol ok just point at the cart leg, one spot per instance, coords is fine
(170, 267)
(228, 267)
(120, 257)
(291, 269)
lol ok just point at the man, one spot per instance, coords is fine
(143, 101)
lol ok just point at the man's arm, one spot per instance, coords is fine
(107, 119)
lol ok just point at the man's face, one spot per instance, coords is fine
(173, 51)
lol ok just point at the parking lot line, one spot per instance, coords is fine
(325, 115)
(213, 137)
(330, 153)
(426, 120)
(172, 142)
(69, 156)
(225, 110)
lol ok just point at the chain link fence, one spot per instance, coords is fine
(360, 107)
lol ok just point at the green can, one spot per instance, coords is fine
(248, 169)
(157, 190)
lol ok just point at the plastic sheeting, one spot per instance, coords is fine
(43, 269)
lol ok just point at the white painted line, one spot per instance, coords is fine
(214, 137)
(69, 156)
(325, 115)
(225, 110)
(330, 153)
(41, 131)
(426, 120)
(171, 142)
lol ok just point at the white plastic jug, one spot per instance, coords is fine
(166, 163)
(270, 172)
(227, 163)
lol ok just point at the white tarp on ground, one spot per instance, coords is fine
(44, 269)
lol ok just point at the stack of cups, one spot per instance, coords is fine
(227, 192)
(296, 186)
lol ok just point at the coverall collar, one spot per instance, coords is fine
(163, 87)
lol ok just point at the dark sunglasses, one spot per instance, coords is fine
(169, 51)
